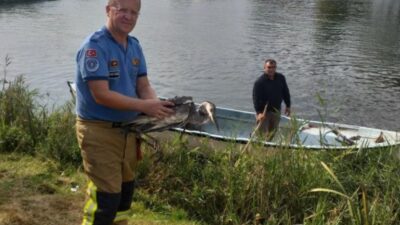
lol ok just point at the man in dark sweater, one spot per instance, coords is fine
(270, 89)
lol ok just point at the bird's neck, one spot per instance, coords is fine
(198, 117)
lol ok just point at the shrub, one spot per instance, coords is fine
(21, 126)
(14, 138)
(60, 142)
(28, 127)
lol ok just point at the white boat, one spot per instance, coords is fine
(238, 126)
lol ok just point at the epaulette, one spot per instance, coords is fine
(134, 38)
(96, 36)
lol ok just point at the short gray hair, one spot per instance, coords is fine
(112, 2)
(270, 61)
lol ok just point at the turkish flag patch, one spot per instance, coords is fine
(91, 53)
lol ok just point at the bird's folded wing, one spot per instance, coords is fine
(144, 124)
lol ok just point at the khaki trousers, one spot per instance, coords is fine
(110, 156)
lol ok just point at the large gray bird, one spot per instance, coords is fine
(186, 115)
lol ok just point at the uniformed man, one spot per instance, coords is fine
(112, 87)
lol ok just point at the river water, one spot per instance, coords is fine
(346, 52)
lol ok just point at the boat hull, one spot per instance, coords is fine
(237, 127)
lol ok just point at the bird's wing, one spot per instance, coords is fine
(145, 126)
(144, 123)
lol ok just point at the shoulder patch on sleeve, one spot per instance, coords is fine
(90, 53)
(92, 64)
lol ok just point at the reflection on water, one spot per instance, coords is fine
(25, 4)
(363, 47)
(346, 51)
(330, 17)
(389, 9)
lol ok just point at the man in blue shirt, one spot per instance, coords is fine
(112, 87)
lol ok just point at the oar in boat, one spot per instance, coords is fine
(259, 124)
(341, 138)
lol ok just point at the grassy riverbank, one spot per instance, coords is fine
(36, 191)
(40, 163)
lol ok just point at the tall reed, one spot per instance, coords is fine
(282, 186)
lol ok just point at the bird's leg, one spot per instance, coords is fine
(181, 134)
(155, 144)
(182, 142)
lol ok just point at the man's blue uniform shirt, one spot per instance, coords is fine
(102, 58)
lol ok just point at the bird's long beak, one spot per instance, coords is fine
(210, 109)
(214, 121)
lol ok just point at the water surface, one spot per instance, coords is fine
(347, 52)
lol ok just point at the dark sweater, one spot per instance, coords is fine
(271, 92)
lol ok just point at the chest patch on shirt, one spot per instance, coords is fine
(135, 62)
(114, 63)
(114, 69)
(113, 74)
(92, 64)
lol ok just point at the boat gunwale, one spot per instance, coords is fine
(293, 146)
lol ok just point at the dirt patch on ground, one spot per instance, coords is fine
(42, 210)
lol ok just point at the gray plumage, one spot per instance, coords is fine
(186, 114)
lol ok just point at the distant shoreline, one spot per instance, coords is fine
(14, 2)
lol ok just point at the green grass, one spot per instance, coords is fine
(34, 191)
(191, 180)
